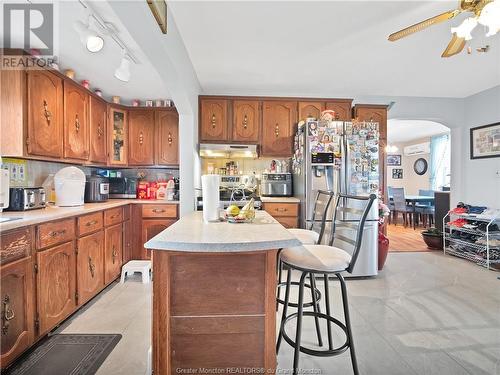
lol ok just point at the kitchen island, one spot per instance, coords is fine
(214, 307)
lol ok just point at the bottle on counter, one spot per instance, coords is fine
(170, 189)
(49, 187)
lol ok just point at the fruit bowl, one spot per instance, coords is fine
(238, 219)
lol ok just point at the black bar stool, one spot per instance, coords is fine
(350, 213)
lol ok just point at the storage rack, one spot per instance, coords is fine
(470, 250)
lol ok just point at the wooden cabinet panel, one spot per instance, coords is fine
(288, 222)
(117, 136)
(214, 124)
(15, 244)
(76, 128)
(278, 130)
(281, 209)
(167, 138)
(54, 233)
(246, 121)
(310, 109)
(113, 216)
(160, 210)
(113, 253)
(141, 137)
(90, 266)
(89, 223)
(17, 319)
(150, 228)
(45, 114)
(342, 109)
(127, 241)
(56, 285)
(97, 119)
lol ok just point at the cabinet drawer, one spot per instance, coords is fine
(15, 244)
(89, 223)
(54, 233)
(159, 210)
(288, 222)
(113, 216)
(282, 209)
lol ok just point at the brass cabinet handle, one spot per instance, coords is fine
(77, 123)
(56, 233)
(114, 254)
(91, 267)
(92, 222)
(46, 112)
(277, 130)
(99, 130)
(7, 314)
(114, 216)
(245, 122)
(282, 209)
(156, 210)
(213, 121)
(141, 138)
(170, 139)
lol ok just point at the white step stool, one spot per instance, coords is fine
(142, 266)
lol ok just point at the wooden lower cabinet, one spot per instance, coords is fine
(113, 252)
(90, 266)
(17, 309)
(150, 228)
(287, 214)
(127, 241)
(56, 285)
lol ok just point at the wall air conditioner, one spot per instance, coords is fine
(418, 149)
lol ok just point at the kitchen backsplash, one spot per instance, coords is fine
(244, 166)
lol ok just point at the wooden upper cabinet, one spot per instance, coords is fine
(246, 121)
(214, 124)
(45, 114)
(18, 330)
(279, 123)
(372, 112)
(342, 109)
(56, 285)
(90, 266)
(76, 126)
(167, 138)
(310, 109)
(141, 125)
(117, 136)
(97, 118)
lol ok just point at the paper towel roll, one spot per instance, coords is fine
(211, 200)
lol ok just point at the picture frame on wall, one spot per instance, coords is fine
(397, 173)
(485, 141)
(394, 160)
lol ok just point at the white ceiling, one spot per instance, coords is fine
(329, 48)
(403, 131)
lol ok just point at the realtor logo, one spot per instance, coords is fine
(29, 27)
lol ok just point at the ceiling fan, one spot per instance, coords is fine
(486, 12)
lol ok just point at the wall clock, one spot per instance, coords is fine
(420, 166)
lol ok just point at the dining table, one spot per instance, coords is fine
(414, 199)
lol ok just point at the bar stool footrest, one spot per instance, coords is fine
(292, 304)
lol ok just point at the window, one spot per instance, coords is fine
(440, 162)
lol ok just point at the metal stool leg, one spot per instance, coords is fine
(316, 308)
(348, 323)
(329, 324)
(285, 308)
(299, 324)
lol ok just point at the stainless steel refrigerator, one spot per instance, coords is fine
(342, 157)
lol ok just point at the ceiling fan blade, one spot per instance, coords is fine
(455, 46)
(424, 24)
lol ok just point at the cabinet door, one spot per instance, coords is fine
(76, 128)
(127, 241)
(310, 109)
(17, 312)
(117, 137)
(141, 139)
(214, 120)
(278, 130)
(246, 121)
(45, 114)
(167, 138)
(90, 266)
(97, 118)
(113, 253)
(342, 109)
(150, 228)
(56, 285)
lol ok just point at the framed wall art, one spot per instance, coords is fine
(485, 141)
(394, 160)
(397, 173)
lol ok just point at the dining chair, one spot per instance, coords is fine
(390, 203)
(426, 210)
(400, 206)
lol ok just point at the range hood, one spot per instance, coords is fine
(228, 151)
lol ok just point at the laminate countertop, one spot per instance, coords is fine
(51, 212)
(192, 234)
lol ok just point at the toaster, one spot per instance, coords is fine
(23, 198)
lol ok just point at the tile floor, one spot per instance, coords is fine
(425, 314)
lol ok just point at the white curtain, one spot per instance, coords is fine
(440, 162)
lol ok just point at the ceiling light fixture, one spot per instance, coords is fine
(123, 71)
(391, 149)
(490, 17)
(90, 39)
(464, 30)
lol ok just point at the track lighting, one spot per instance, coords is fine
(92, 41)
(123, 71)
